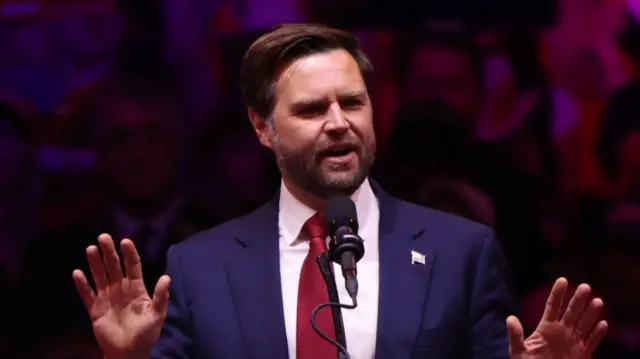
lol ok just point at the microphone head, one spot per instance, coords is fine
(341, 212)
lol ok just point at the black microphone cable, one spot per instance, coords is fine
(314, 325)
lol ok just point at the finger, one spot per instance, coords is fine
(516, 336)
(97, 268)
(589, 318)
(110, 257)
(596, 336)
(576, 306)
(554, 302)
(84, 288)
(132, 265)
(161, 295)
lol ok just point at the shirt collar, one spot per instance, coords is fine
(293, 213)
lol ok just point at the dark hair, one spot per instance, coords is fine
(271, 52)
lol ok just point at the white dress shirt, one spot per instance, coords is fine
(361, 323)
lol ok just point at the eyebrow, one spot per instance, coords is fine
(306, 103)
(361, 93)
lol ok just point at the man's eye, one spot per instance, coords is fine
(353, 104)
(312, 111)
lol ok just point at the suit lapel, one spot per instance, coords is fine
(404, 285)
(254, 279)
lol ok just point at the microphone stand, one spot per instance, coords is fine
(329, 277)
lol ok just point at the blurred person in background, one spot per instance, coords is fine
(236, 174)
(18, 217)
(141, 151)
(18, 202)
(29, 64)
(618, 278)
(584, 64)
(460, 198)
(580, 79)
(140, 147)
(431, 141)
(618, 139)
(88, 43)
(428, 141)
(619, 152)
(629, 165)
(444, 66)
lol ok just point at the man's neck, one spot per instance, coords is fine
(310, 200)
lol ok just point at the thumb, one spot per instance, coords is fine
(516, 336)
(161, 295)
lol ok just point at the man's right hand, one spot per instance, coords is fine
(126, 321)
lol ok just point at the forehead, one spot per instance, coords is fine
(319, 75)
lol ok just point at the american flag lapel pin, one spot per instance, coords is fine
(417, 257)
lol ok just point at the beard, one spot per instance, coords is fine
(306, 167)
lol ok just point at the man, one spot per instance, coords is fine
(235, 290)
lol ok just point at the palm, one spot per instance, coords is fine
(573, 335)
(553, 340)
(126, 321)
(122, 319)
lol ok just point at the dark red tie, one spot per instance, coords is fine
(311, 292)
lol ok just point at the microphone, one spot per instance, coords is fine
(346, 247)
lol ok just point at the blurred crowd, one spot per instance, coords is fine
(129, 121)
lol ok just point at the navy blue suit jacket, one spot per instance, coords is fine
(226, 299)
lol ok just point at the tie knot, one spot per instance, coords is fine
(315, 227)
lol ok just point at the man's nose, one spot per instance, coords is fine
(336, 120)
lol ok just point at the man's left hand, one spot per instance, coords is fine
(572, 335)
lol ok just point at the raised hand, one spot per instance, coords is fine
(126, 321)
(572, 335)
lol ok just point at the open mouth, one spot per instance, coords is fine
(338, 152)
(340, 155)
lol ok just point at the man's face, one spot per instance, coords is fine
(141, 149)
(442, 74)
(321, 129)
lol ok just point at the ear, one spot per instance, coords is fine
(261, 127)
